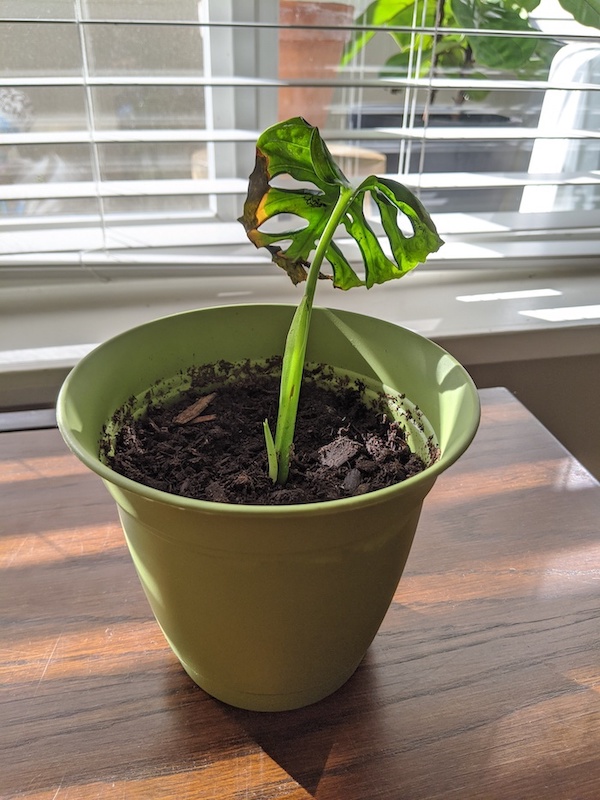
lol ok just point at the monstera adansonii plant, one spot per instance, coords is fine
(321, 200)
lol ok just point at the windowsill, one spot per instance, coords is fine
(49, 327)
(45, 329)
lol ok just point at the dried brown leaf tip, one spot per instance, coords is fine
(193, 413)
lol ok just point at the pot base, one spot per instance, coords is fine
(288, 701)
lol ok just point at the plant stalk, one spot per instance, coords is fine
(296, 342)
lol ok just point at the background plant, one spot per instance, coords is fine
(448, 52)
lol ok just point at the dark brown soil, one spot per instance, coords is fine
(342, 447)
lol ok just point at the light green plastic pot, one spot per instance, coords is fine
(268, 607)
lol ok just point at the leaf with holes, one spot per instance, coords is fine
(295, 149)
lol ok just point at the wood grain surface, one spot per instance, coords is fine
(483, 683)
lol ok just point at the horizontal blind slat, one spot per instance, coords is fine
(482, 180)
(235, 186)
(340, 81)
(274, 25)
(135, 188)
(124, 136)
(201, 135)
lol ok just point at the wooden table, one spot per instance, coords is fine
(484, 681)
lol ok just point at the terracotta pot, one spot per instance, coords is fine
(310, 54)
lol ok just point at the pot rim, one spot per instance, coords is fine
(425, 478)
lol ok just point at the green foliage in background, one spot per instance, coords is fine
(460, 54)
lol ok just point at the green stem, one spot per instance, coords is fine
(296, 343)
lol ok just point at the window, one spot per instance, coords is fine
(127, 127)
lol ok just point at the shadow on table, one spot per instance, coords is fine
(301, 742)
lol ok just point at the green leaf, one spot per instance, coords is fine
(380, 13)
(476, 95)
(451, 55)
(408, 251)
(295, 148)
(288, 149)
(271, 452)
(587, 12)
(400, 63)
(493, 51)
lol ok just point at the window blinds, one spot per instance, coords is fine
(127, 129)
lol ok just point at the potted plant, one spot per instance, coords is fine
(272, 607)
(460, 52)
(451, 42)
